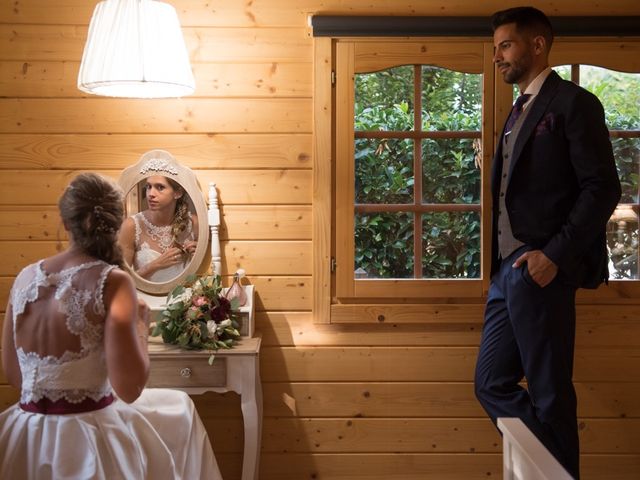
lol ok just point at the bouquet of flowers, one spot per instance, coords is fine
(197, 316)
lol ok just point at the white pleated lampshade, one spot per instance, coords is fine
(135, 49)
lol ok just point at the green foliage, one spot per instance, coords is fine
(384, 171)
(451, 101)
(450, 171)
(384, 174)
(384, 100)
(627, 155)
(619, 92)
(384, 245)
(452, 245)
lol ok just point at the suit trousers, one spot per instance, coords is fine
(529, 332)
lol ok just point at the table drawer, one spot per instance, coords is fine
(179, 372)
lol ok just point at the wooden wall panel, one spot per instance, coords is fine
(32, 42)
(366, 400)
(596, 400)
(8, 396)
(30, 223)
(42, 78)
(362, 435)
(286, 187)
(265, 222)
(14, 256)
(606, 325)
(274, 296)
(384, 466)
(282, 293)
(259, 258)
(264, 258)
(423, 399)
(415, 364)
(114, 151)
(296, 328)
(100, 115)
(423, 466)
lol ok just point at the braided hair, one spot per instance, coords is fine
(92, 209)
(181, 215)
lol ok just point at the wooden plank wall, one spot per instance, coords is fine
(341, 402)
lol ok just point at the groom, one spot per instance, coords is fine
(554, 187)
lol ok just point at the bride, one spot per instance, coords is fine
(159, 241)
(74, 342)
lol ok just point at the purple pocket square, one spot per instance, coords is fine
(546, 124)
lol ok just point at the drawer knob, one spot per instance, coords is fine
(185, 372)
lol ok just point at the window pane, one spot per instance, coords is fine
(619, 92)
(622, 240)
(384, 245)
(383, 171)
(450, 172)
(564, 71)
(451, 245)
(450, 100)
(627, 154)
(384, 100)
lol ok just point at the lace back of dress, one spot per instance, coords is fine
(65, 358)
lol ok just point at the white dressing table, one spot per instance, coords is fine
(236, 369)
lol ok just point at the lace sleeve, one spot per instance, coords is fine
(99, 307)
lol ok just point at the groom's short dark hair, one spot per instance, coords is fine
(527, 19)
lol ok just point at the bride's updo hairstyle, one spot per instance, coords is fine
(92, 210)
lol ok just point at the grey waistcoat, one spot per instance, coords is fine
(507, 243)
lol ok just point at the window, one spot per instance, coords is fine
(619, 93)
(409, 152)
(405, 130)
(606, 70)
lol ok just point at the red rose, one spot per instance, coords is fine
(221, 312)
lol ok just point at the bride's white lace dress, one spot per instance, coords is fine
(68, 424)
(152, 241)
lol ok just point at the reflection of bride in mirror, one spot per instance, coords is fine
(158, 242)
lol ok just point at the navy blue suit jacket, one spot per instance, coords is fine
(563, 184)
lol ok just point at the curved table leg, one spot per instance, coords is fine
(251, 403)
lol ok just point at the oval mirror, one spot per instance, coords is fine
(164, 237)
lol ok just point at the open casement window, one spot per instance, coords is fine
(409, 181)
(611, 71)
(405, 130)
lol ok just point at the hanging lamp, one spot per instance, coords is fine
(135, 49)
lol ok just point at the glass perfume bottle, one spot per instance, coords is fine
(236, 290)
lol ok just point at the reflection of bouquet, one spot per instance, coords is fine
(197, 316)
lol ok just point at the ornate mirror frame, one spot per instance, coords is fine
(161, 162)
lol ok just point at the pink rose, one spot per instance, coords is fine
(199, 301)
